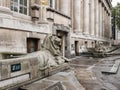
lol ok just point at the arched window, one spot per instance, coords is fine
(20, 6)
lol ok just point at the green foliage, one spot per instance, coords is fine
(116, 15)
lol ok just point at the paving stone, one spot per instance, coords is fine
(110, 86)
(113, 69)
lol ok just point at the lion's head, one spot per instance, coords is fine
(53, 44)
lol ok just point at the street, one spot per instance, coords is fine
(90, 73)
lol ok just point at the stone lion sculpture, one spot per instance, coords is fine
(50, 54)
(100, 47)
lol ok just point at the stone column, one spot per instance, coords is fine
(65, 7)
(92, 17)
(97, 18)
(107, 27)
(86, 17)
(72, 15)
(107, 35)
(82, 16)
(77, 16)
(105, 24)
(57, 5)
(95, 14)
(1, 2)
(110, 25)
(101, 19)
(54, 4)
(5, 3)
(90, 12)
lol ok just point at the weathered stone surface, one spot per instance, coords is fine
(113, 69)
(44, 85)
(59, 81)
(38, 65)
(14, 81)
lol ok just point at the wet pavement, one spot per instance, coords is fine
(89, 73)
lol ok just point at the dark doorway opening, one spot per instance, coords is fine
(64, 41)
(76, 48)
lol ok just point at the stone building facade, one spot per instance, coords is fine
(91, 24)
(25, 23)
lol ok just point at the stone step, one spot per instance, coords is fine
(45, 85)
(114, 68)
(61, 81)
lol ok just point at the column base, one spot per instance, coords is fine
(85, 33)
(92, 35)
(78, 32)
(42, 22)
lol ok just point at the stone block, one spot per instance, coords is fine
(35, 14)
(61, 81)
(44, 85)
(4, 72)
(14, 81)
(113, 69)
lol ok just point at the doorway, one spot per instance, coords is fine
(76, 48)
(64, 41)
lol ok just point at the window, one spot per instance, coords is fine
(52, 4)
(32, 45)
(20, 6)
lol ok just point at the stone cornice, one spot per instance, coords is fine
(53, 10)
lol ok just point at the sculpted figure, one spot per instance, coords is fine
(50, 55)
(100, 47)
(53, 44)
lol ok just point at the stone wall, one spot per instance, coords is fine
(15, 42)
(91, 22)
(87, 20)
